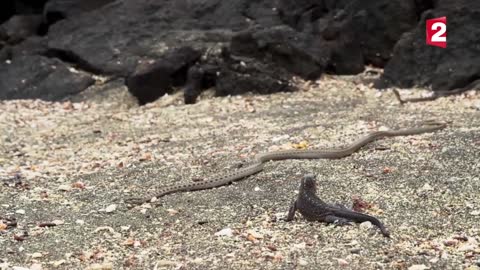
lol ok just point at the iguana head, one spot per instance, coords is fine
(309, 183)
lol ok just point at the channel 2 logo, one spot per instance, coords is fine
(437, 32)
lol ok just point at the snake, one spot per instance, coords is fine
(260, 159)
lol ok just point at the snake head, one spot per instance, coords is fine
(309, 182)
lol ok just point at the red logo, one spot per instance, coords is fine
(437, 32)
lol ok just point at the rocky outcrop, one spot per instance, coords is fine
(40, 77)
(152, 80)
(240, 45)
(20, 27)
(458, 65)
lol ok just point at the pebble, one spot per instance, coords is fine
(197, 261)
(104, 228)
(426, 187)
(467, 247)
(20, 211)
(475, 213)
(80, 222)
(58, 263)
(111, 208)
(255, 234)
(300, 246)
(280, 138)
(450, 242)
(355, 250)
(477, 106)
(342, 262)
(353, 243)
(97, 266)
(64, 188)
(37, 255)
(418, 267)
(58, 222)
(165, 263)
(225, 232)
(302, 262)
(36, 266)
(366, 225)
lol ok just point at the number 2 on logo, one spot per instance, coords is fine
(436, 32)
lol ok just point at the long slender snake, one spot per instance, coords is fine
(262, 158)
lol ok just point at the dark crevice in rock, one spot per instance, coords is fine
(465, 83)
(54, 16)
(422, 6)
(74, 60)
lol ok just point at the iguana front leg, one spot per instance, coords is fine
(291, 211)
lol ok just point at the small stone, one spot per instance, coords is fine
(165, 263)
(467, 247)
(418, 267)
(366, 225)
(280, 138)
(129, 242)
(197, 260)
(444, 255)
(426, 187)
(111, 208)
(353, 243)
(450, 242)
(80, 222)
(302, 262)
(20, 211)
(278, 257)
(342, 262)
(300, 246)
(64, 188)
(452, 179)
(225, 232)
(79, 185)
(355, 250)
(255, 234)
(475, 213)
(251, 238)
(37, 255)
(35, 266)
(477, 106)
(104, 228)
(58, 263)
(58, 222)
(172, 211)
(103, 266)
